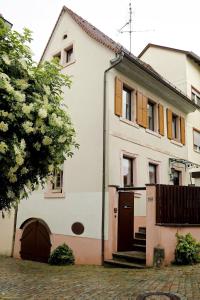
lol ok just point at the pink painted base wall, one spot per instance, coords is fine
(86, 250)
(160, 236)
(139, 221)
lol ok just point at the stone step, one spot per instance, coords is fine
(142, 230)
(139, 235)
(130, 257)
(139, 241)
(121, 264)
(138, 247)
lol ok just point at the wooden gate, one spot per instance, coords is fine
(35, 242)
(125, 221)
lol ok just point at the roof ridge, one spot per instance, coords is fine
(94, 32)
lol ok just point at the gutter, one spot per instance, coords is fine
(116, 61)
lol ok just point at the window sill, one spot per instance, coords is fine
(68, 64)
(176, 143)
(153, 133)
(131, 123)
(51, 194)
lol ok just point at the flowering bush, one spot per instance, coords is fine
(36, 133)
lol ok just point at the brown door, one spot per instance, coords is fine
(125, 221)
(35, 242)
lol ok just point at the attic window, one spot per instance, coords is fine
(69, 54)
(58, 56)
(64, 36)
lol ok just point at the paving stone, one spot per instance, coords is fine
(23, 280)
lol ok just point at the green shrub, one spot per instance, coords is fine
(187, 250)
(62, 255)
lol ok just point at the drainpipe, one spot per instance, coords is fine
(14, 230)
(116, 61)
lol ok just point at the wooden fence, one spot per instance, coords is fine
(177, 204)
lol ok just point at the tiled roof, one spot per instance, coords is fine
(102, 38)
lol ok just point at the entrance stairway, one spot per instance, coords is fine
(135, 259)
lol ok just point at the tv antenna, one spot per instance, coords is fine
(130, 31)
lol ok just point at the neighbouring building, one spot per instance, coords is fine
(131, 126)
(182, 68)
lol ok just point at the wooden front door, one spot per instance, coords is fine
(125, 221)
(35, 242)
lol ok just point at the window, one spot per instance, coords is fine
(127, 103)
(58, 56)
(176, 177)
(127, 171)
(175, 127)
(152, 173)
(57, 183)
(195, 96)
(150, 112)
(69, 54)
(196, 139)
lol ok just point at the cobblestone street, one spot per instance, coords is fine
(31, 280)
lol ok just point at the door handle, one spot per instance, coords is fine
(126, 206)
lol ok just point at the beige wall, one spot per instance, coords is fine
(184, 73)
(83, 173)
(162, 236)
(142, 144)
(6, 233)
(170, 64)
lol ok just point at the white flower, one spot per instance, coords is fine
(24, 170)
(6, 59)
(19, 96)
(19, 160)
(42, 113)
(51, 168)
(22, 144)
(3, 147)
(27, 108)
(46, 141)
(4, 113)
(28, 126)
(10, 194)
(62, 139)
(22, 84)
(3, 126)
(13, 178)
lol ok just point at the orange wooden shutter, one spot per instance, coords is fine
(161, 119)
(182, 125)
(118, 96)
(169, 124)
(144, 111)
(139, 108)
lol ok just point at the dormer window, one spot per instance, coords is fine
(195, 96)
(69, 54)
(58, 56)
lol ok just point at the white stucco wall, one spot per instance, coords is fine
(184, 73)
(170, 64)
(83, 173)
(6, 233)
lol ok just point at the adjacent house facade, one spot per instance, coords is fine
(131, 126)
(182, 68)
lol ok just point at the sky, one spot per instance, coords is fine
(173, 23)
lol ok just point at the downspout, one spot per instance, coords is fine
(114, 63)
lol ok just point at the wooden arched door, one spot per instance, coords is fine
(35, 242)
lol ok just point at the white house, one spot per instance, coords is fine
(182, 68)
(130, 125)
